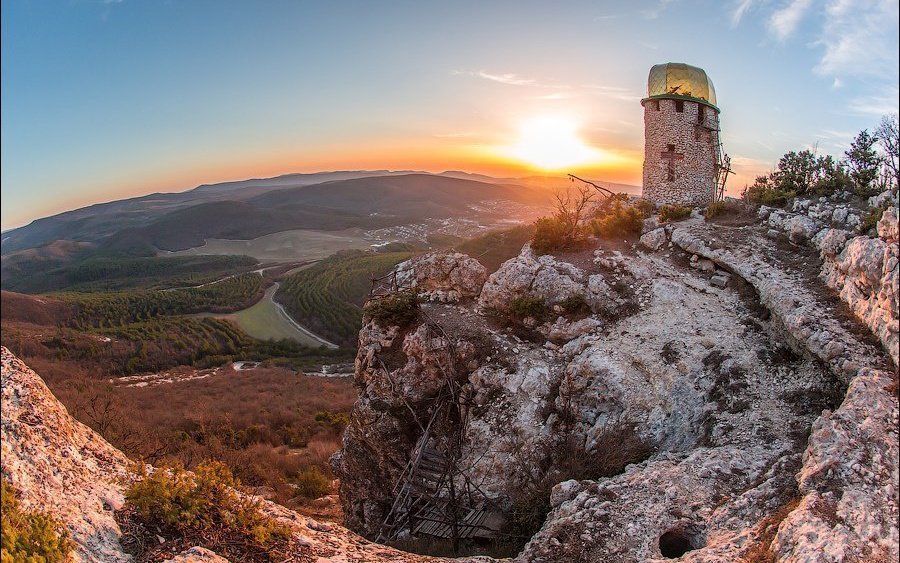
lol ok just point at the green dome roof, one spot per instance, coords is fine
(679, 79)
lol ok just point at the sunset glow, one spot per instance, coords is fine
(552, 143)
(235, 94)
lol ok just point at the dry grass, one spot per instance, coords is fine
(760, 551)
(261, 423)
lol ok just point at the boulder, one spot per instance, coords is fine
(800, 228)
(654, 240)
(888, 227)
(444, 276)
(528, 275)
(563, 331)
(831, 242)
(882, 198)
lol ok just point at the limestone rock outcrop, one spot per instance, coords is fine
(714, 387)
(442, 276)
(863, 270)
(59, 465)
(849, 477)
(530, 275)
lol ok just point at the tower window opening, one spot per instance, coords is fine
(679, 106)
(701, 113)
(654, 104)
(670, 148)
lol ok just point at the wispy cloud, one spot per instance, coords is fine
(740, 9)
(510, 79)
(877, 104)
(859, 38)
(614, 92)
(831, 134)
(507, 78)
(656, 10)
(784, 21)
(561, 91)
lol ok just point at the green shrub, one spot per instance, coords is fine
(618, 221)
(336, 420)
(575, 305)
(522, 307)
(29, 536)
(553, 234)
(870, 220)
(764, 192)
(723, 208)
(646, 207)
(312, 483)
(398, 309)
(674, 213)
(202, 506)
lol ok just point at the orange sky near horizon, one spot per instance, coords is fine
(435, 155)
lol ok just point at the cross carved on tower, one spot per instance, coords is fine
(671, 156)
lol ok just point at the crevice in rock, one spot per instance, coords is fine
(681, 539)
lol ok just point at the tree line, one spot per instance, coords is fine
(871, 165)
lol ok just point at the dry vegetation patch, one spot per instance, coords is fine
(274, 429)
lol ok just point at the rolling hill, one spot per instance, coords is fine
(141, 226)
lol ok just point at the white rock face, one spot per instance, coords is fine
(692, 373)
(442, 276)
(831, 242)
(654, 240)
(861, 269)
(849, 481)
(60, 465)
(528, 275)
(888, 227)
(865, 274)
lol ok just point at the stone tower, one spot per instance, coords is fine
(682, 155)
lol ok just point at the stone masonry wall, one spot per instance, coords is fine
(694, 162)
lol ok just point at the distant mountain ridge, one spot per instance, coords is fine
(255, 207)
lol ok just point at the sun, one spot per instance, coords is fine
(552, 143)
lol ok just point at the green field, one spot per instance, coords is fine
(122, 307)
(285, 246)
(328, 296)
(266, 320)
(103, 273)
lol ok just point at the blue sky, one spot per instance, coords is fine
(108, 99)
